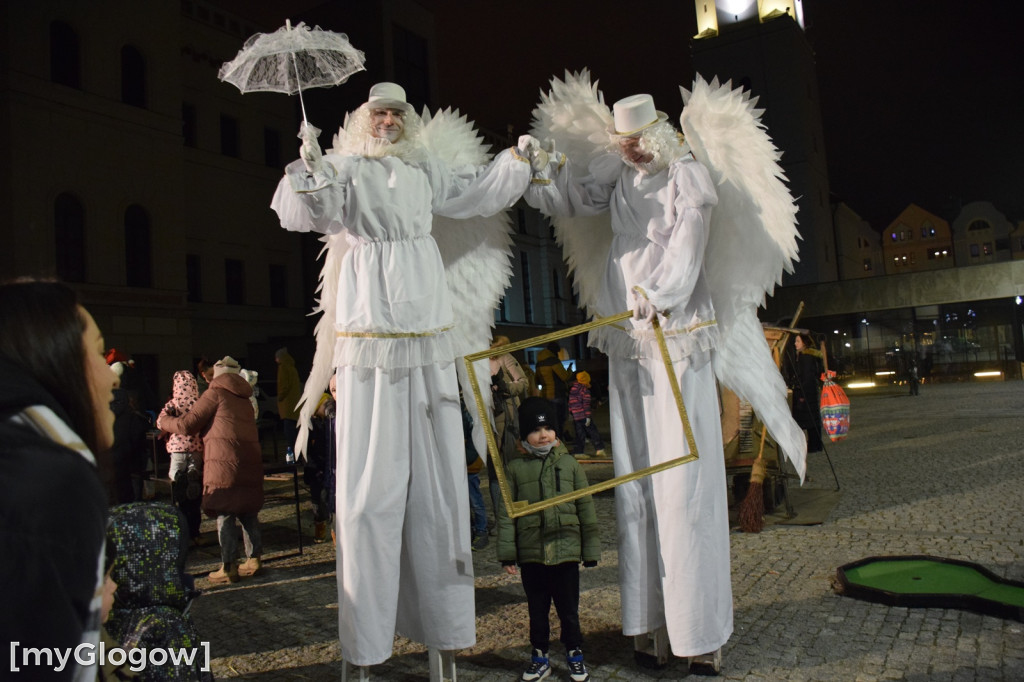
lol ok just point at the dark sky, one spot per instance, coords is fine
(922, 102)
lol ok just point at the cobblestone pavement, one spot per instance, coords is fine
(940, 474)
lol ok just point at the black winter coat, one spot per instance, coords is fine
(53, 516)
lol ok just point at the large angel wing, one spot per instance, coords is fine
(333, 251)
(752, 241)
(476, 253)
(575, 118)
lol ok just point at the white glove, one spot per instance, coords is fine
(642, 308)
(310, 152)
(587, 422)
(311, 156)
(532, 149)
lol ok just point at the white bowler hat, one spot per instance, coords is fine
(388, 95)
(635, 113)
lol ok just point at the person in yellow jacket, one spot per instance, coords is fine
(554, 381)
(289, 390)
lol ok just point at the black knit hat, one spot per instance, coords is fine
(535, 413)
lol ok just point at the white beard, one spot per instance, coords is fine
(390, 134)
(652, 167)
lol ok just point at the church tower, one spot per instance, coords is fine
(760, 44)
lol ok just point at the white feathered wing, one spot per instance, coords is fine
(319, 377)
(575, 118)
(753, 228)
(752, 241)
(476, 253)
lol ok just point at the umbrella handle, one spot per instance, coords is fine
(295, 65)
(297, 80)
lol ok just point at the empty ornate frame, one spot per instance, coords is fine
(517, 509)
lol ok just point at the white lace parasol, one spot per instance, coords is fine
(293, 58)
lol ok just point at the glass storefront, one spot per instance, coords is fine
(949, 342)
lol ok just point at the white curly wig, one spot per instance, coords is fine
(661, 140)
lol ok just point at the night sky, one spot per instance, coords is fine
(923, 104)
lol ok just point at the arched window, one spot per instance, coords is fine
(69, 238)
(138, 258)
(978, 225)
(133, 77)
(65, 60)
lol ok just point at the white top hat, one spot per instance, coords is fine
(635, 113)
(388, 95)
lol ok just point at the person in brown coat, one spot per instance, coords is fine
(233, 465)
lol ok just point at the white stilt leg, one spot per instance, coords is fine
(442, 665)
(354, 673)
(653, 644)
(707, 664)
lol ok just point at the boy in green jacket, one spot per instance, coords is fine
(549, 545)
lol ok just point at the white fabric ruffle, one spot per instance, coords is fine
(616, 342)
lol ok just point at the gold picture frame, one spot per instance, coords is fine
(520, 508)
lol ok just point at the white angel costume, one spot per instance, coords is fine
(656, 231)
(397, 312)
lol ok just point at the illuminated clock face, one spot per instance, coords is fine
(734, 11)
(739, 11)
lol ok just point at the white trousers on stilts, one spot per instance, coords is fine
(403, 543)
(673, 526)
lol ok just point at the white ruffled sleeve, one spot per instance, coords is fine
(558, 191)
(684, 238)
(311, 202)
(471, 191)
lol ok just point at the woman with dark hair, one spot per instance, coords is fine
(55, 393)
(807, 390)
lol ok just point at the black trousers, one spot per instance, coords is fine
(559, 584)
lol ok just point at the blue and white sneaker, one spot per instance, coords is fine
(577, 671)
(539, 667)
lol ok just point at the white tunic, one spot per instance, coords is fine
(404, 562)
(673, 526)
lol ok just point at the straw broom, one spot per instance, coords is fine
(752, 507)
(751, 514)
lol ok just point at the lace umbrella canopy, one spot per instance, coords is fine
(293, 58)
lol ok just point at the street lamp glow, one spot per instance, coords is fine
(861, 384)
(988, 374)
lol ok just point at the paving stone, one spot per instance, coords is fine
(937, 474)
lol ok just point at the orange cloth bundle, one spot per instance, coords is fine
(835, 408)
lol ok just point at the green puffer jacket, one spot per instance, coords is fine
(567, 532)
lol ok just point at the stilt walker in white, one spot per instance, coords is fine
(410, 280)
(694, 231)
